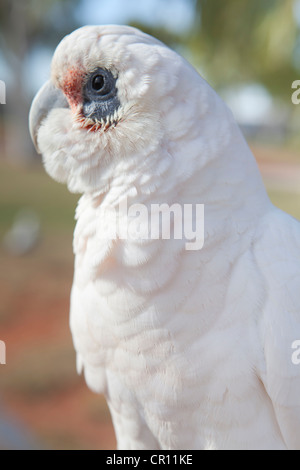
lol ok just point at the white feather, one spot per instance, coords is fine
(192, 349)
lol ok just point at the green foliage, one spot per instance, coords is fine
(246, 40)
(235, 42)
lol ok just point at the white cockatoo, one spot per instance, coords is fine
(193, 348)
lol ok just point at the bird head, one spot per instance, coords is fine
(117, 99)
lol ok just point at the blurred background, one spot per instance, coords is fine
(248, 51)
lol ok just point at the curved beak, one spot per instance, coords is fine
(47, 98)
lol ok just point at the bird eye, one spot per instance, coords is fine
(98, 83)
(100, 94)
(101, 83)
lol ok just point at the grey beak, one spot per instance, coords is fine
(47, 98)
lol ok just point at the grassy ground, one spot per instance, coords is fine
(287, 201)
(31, 187)
(39, 384)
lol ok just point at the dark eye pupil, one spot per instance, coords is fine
(98, 82)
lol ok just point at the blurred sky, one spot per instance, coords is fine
(151, 12)
(156, 12)
(297, 11)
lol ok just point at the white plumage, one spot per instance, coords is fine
(192, 349)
